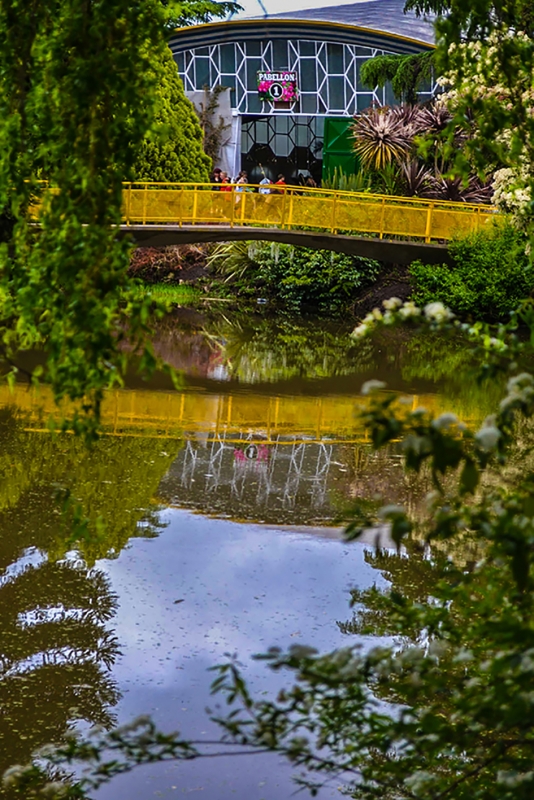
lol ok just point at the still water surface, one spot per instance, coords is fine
(210, 513)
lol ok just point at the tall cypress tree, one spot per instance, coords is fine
(172, 150)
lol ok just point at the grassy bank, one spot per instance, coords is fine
(174, 294)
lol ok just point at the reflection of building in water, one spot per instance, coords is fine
(285, 478)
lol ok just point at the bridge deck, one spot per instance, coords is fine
(388, 250)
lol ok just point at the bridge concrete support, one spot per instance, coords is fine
(385, 250)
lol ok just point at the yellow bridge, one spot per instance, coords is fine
(385, 227)
(290, 207)
(380, 226)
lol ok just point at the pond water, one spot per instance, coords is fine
(211, 530)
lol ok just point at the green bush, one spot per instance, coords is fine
(173, 151)
(317, 279)
(294, 278)
(488, 279)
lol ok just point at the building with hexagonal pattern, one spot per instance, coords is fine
(292, 80)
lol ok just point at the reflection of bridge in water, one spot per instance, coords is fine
(250, 456)
(184, 414)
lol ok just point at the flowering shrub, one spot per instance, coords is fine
(290, 92)
(503, 99)
(512, 193)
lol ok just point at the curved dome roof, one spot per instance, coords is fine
(369, 23)
(380, 15)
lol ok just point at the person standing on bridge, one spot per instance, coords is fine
(226, 186)
(280, 182)
(265, 184)
(216, 178)
(241, 185)
(216, 181)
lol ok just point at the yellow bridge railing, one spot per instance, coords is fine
(297, 208)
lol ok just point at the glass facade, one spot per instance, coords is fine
(329, 74)
(290, 139)
(274, 144)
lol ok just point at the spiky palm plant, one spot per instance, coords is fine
(232, 259)
(435, 117)
(381, 137)
(416, 178)
(413, 118)
(443, 188)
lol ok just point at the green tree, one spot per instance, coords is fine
(78, 94)
(407, 74)
(172, 151)
(485, 56)
(179, 13)
(75, 98)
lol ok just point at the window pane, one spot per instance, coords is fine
(253, 67)
(307, 48)
(228, 58)
(282, 145)
(317, 126)
(229, 80)
(308, 76)
(252, 48)
(262, 135)
(335, 59)
(202, 72)
(282, 124)
(364, 101)
(254, 104)
(280, 54)
(336, 90)
(308, 103)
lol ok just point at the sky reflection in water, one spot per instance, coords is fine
(244, 588)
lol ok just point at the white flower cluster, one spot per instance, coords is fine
(479, 77)
(520, 392)
(14, 774)
(445, 421)
(395, 309)
(437, 312)
(487, 438)
(512, 192)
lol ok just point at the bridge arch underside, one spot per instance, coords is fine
(385, 250)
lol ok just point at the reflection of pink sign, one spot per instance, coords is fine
(278, 86)
(253, 452)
